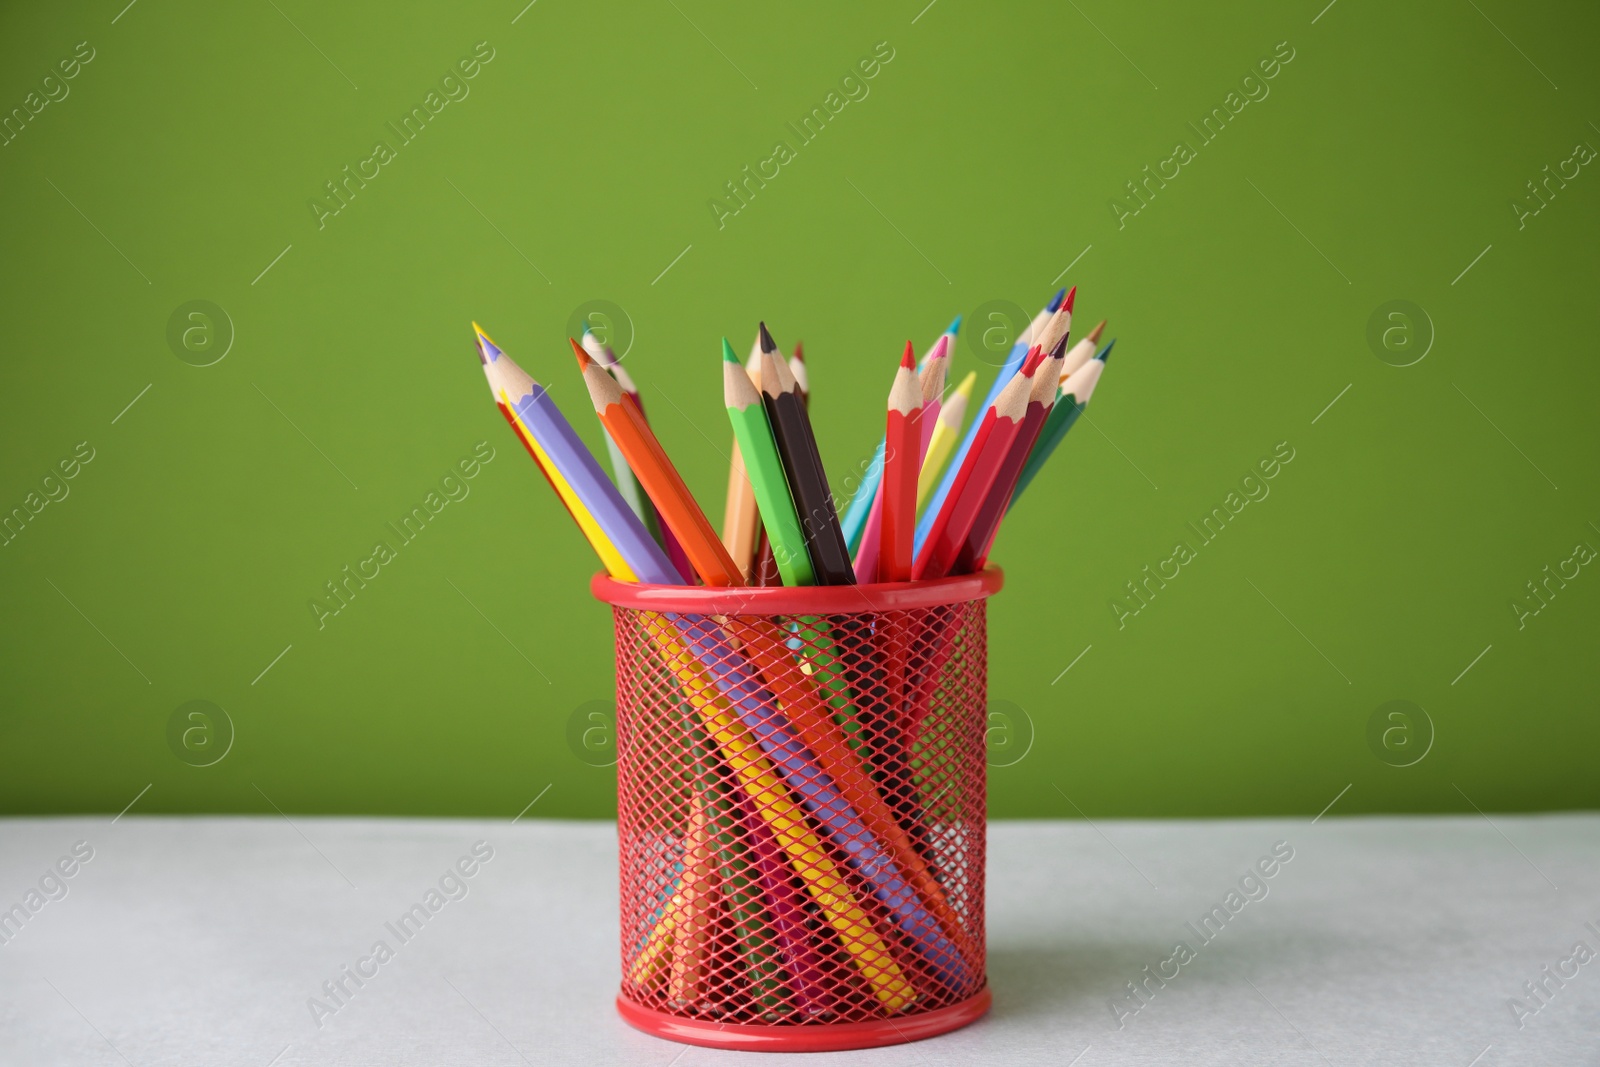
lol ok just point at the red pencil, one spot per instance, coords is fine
(977, 473)
(902, 455)
(1040, 400)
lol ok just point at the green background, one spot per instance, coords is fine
(981, 165)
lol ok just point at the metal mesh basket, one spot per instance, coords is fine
(801, 804)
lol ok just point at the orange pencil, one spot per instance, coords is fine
(902, 461)
(676, 505)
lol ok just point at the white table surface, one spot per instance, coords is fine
(1383, 941)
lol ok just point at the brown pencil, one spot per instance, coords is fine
(802, 465)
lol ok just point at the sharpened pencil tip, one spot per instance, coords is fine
(1060, 348)
(800, 351)
(1094, 334)
(728, 354)
(1031, 364)
(1071, 296)
(908, 358)
(1055, 301)
(1105, 352)
(583, 357)
(954, 327)
(767, 343)
(487, 349)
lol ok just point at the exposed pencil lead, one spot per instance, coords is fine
(1106, 351)
(767, 343)
(1060, 348)
(1071, 296)
(583, 357)
(908, 359)
(728, 355)
(1094, 334)
(1031, 364)
(954, 327)
(800, 351)
(1055, 301)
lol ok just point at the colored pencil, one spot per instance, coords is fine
(741, 522)
(1075, 394)
(946, 431)
(704, 690)
(621, 473)
(607, 358)
(930, 381)
(691, 935)
(756, 707)
(802, 376)
(765, 471)
(802, 465)
(804, 711)
(902, 460)
(655, 472)
(1082, 351)
(764, 571)
(858, 510)
(1008, 370)
(799, 843)
(997, 429)
(612, 527)
(742, 848)
(1041, 398)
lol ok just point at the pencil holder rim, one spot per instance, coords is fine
(798, 600)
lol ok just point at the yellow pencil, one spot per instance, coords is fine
(946, 432)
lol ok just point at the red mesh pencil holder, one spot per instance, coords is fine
(800, 811)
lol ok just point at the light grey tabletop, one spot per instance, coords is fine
(1381, 941)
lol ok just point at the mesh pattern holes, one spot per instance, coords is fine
(801, 803)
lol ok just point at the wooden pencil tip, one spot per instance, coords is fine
(954, 327)
(1071, 296)
(1106, 351)
(1031, 364)
(799, 352)
(908, 358)
(767, 343)
(728, 354)
(1055, 301)
(1060, 348)
(1094, 334)
(583, 357)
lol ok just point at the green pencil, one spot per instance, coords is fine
(760, 452)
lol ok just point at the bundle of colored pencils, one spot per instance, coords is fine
(797, 735)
